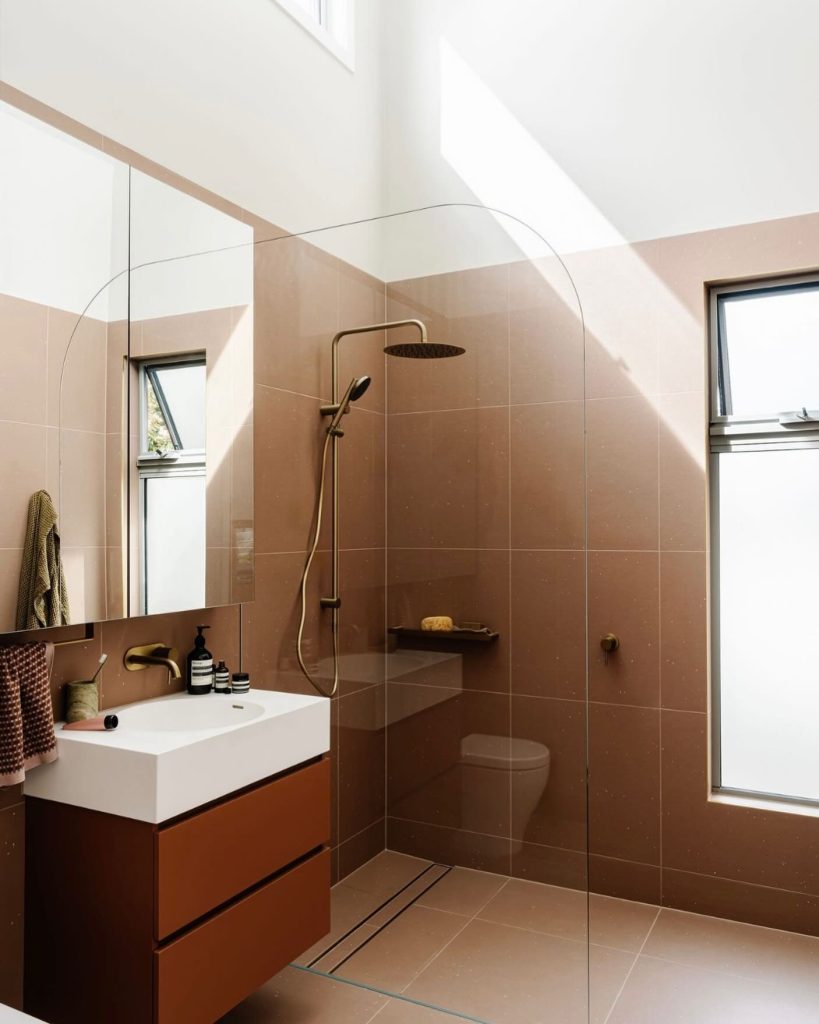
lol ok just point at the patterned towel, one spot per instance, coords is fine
(26, 720)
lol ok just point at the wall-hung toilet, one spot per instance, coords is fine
(491, 768)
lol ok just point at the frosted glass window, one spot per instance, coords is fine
(769, 351)
(174, 524)
(768, 610)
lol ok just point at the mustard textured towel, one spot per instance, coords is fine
(42, 599)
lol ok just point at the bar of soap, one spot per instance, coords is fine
(437, 624)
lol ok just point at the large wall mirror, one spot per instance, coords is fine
(126, 321)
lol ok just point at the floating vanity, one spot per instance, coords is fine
(178, 862)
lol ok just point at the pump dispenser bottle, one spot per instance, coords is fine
(200, 665)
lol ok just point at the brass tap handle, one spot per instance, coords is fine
(609, 643)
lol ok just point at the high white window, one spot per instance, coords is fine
(172, 484)
(330, 21)
(765, 537)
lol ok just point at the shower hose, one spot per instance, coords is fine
(303, 586)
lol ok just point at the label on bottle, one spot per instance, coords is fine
(202, 672)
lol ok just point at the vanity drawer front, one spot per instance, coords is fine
(208, 859)
(203, 974)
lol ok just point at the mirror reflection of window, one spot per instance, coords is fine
(172, 483)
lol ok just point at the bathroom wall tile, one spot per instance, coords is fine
(466, 308)
(684, 631)
(426, 777)
(208, 330)
(296, 316)
(555, 816)
(424, 751)
(121, 686)
(624, 599)
(10, 562)
(12, 876)
(448, 478)
(288, 442)
(622, 474)
(23, 332)
(545, 333)
(624, 783)
(548, 624)
(361, 760)
(76, 482)
(625, 879)
(24, 467)
(449, 845)
(115, 469)
(739, 901)
(114, 583)
(547, 476)
(362, 301)
(468, 586)
(117, 340)
(362, 472)
(85, 579)
(683, 446)
(683, 322)
(73, 662)
(551, 865)
(622, 301)
(270, 623)
(360, 848)
(77, 371)
(779, 850)
(362, 639)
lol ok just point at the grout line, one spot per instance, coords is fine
(637, 955)
(460, 931)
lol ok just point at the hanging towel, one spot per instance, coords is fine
(42, 599)
(26, 719)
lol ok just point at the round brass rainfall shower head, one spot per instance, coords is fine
(424, 350)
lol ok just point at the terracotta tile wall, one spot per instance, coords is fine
(302, 297)
(467, 470)
(35, 339)
(485, 521)
(654, 832)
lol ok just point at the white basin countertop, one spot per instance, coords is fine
(171, 755)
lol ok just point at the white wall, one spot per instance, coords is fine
(603, 120)
(234, 95)
(596, 121)
(60, 205)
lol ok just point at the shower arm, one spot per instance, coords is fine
(334, 601)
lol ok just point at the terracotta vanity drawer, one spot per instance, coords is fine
(206, 860)
(200, 976)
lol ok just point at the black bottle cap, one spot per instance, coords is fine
(241, 677)
(110, 721)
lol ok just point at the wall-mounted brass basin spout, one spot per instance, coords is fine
(138, 658)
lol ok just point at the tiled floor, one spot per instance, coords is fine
(506, 951)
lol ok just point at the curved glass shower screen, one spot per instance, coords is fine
(418, 436)
(460, 840)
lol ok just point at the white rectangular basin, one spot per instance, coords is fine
(170, 755)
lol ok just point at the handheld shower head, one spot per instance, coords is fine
(357, 387)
